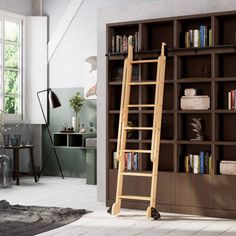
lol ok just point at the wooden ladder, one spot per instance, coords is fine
(124, 128)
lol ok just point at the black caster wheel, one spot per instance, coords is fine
(155, 214)
(109, 210)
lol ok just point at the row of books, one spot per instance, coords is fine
(199, 38)
(198, 163)
(119, 43)
(232, 99)
(131, 161)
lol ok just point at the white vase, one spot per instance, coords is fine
(75, 123)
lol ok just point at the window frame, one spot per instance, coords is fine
(20, 19)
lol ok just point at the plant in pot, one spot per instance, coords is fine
(76, 103)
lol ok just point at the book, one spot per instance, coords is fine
(196, 38)
(229, 101)
(128, 161)
(232, 99)
(210, 38)
(113, 44)
(206, 160)
(191, 37)
(135, 161)
(190, 163)
(115, 161)
(196, 164)
(202, 164)
(187, 164)
(210, 164)
(187, 40)
(202, 36)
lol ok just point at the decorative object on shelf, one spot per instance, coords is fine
(5, 169)
(54, 102)
(190, 92)
(76, 103)
(199, 102)
(130, 132)
(232, 99)
(91, 124)
(228, 167)
(82, 130)
(197, 125)
(16, 140)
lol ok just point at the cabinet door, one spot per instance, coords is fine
(193, 190)
(224, 192)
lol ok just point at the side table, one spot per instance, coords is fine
(16, 154)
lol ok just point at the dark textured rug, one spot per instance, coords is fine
(31, 220)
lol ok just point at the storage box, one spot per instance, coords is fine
(195, 102)
(228, 167)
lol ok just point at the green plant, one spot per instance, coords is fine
(76, 102)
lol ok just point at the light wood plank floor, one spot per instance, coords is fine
(73, 192)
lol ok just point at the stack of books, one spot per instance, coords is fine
(131, 161)
(232, 100)
(119, 43)
(198, 163)
(199, 38)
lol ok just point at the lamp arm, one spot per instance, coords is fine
(45, 90)
(40, 104)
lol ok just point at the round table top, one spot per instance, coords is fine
(19, 146)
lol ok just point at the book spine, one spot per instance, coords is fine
(125, 44)
(202, 169)
(202, 38)
(190, 163)
(135, 161)
(196, 38)
(187, 40)
(126, 160)
(232, 99)
(196, 164)
(115, 162)
(132, 160)
(229, 101)
(117, 43)
(206, 38)
(121, 44)
(113, 44)
(186, 164)
(191, 37)
(210, 164)
(136, 41)
(210, 38)
(206, 159)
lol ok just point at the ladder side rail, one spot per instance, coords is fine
(124, 120)
(157, 129)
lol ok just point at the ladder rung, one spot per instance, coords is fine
(138, 150)
(137, 174)
(144, 61)
(138, 128)
(144, 83)
(141, 198)
(141, 105)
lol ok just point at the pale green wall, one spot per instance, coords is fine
(72, 160)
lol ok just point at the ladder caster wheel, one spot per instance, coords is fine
(155, 214)
(109, 210)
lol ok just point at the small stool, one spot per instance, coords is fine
(16, 172)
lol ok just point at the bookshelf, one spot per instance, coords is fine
(211, 69)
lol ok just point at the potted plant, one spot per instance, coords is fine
(76, 103)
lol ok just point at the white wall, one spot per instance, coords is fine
(23, 7)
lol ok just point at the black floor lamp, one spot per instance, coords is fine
(54, 103)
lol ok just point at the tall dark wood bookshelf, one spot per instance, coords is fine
(205, 194)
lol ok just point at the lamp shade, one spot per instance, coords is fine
(53, 100)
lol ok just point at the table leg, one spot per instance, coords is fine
(16, 166)
(32, 163)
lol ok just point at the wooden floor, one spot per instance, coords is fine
(73, 192)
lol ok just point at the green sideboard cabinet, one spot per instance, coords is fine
(86, 142)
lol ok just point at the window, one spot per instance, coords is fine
(11, 67)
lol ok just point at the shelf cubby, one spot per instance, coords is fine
(194, 66)
(225, 65)
(157, 32)
(225, 33)
(225, 127)
(185, 129)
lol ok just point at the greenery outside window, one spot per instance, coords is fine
(11, 69)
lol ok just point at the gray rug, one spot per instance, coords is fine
(31, 220)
